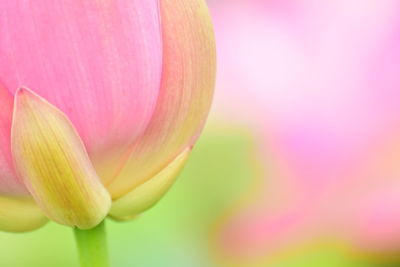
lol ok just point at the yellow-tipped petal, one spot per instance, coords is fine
(20, 214)
(148, 194)
(185, 96)
(52, 161)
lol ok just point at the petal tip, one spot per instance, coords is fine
(25, 94)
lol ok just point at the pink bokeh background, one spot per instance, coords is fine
(318, 85)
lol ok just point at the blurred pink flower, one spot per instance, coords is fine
(123, 85)
(319, 82)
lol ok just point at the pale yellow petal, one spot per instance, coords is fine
(20, 214)
(148, 194)
(52, 161)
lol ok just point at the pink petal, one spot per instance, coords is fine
(98, 61)
(9, 184)
(186, 92)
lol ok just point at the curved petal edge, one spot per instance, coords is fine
(148, 194)
(20, 214)
(10, 185)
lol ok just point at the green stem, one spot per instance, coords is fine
(92, 246)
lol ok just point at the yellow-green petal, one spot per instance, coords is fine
(148, 194)
(52, 161)
(20, 214)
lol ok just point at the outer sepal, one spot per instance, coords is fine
(52, 161)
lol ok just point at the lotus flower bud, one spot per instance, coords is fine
(103, 102)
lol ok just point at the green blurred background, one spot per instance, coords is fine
(182, 230)
(176, 232)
